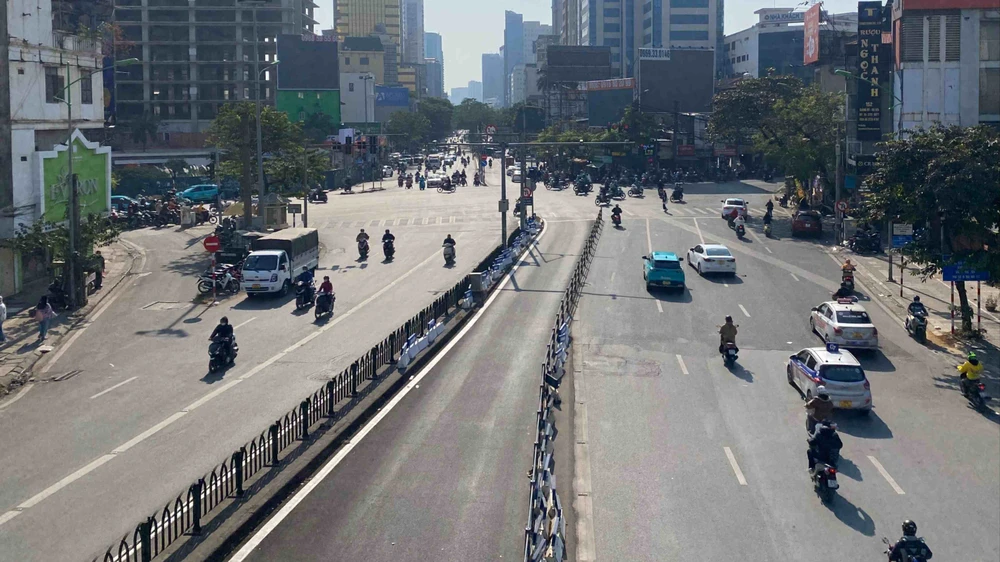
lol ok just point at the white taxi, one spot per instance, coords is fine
(712, 258)
(734, 204)
(845, 323)
(835, 369)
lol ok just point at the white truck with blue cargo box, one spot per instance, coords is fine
(278, 258)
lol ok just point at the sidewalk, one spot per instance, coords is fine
(22, 348)
(936, 296)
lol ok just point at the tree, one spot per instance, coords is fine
(287, 171)
(473, 116)
(527, 118)
(144, 129)
(748, 107)
(438, 112)
(946, 182)
(407, 130)
(175, 167)
(234, 132)
(318, 126)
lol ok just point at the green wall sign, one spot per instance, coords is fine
(92, 166)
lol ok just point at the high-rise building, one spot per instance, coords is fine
(458, 94)
(682, 24)
(190, 68)
(493, 80)
(569, 22)
(364, 18)
(432, 46)
(435, 78)
(532, 30)
(413, 31)
(606, 23)
(513, 49)
(557, 14)
(476, 90)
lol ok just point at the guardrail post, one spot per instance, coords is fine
(195, 491)
(238, 457)
(273, 430)
(145, 540)
(304, 418)
(329, 399)
(354, 378)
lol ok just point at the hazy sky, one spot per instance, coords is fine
(470, 28)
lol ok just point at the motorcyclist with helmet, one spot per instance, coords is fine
(819, 408)
(910, 547)
(223, 333)
(616, 215)
(969, 372)
(916, 308)
(823, 442)
(727, 334)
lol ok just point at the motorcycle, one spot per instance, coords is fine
(223, 282)
(767, 230)
(617, 220)
(730, 354)
(677, 195)
(975, 393)
(399, 180)
(58, 297)
(861, 243)
(318, 196)
(305, 295)
(363, 249)
(449, 254)
(740, 231)
(409, 182)
(221, 352)
(602, 199)
(824, 478)
(388, 249)
(324, 304)
(617, 193)
(847, 279)
(635, 191)
(916, 326)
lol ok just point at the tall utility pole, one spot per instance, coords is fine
(74, 207)
(504, 204)
(677, 125)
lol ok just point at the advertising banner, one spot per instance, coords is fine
(810, 47)
(92, 167)
(870, 69)
(613, 84)
(395, 97)
(300, 58)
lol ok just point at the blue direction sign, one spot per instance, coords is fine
(957, 272)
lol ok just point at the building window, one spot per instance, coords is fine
(347, 61)
(53, 85)
(688, 19)
(989, 40)
(350, 86)
(989, 92)
(302, 116)
(612, 42)
(687, 35)
(612, 12)
(87, 89)
(302, 95)
(688, 3)
(646, 8)
(646, 24)
(612, 28)
(363, 61)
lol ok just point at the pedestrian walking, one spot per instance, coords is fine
(3, 318)
(98, 270)
(44, 315)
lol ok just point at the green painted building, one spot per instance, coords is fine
(297, 104)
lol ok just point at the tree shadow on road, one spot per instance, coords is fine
(866, 426)
(852, 516)
(190, 264)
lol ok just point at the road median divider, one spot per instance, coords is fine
(210, 519)
(545, 532)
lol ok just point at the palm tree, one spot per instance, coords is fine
(144, 129)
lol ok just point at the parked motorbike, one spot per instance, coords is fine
(389, 249)
(305, 295)
(221, 352)
(730, 354)
(449, 254)
(861, 242)
(222, 283)
(363, 249)
(635, 191)
(916, 326)
(324, 304)
(318, 196)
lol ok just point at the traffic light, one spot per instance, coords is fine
(348, 143)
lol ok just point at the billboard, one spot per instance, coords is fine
(810, 47)
(613, 84)
(687, 78)
(870, 70)
(308, 62)
(92, 168)
(571, 63)
(782, 17)
(110, 103)
(654, 53)
(607, 100)
(391, 97)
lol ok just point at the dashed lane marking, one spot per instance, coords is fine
(744, 311)
(885, 474)
(103, 392)
(736, 466)
(680, 361)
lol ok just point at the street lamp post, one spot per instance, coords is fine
(73, 206)
(365, 78)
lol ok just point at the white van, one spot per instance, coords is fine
(278, 258)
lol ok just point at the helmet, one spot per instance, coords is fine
(224, 320)
(362, 230)
(387, 231)
(909, 528)
(822, 393)
(972, 355)
(916, 298)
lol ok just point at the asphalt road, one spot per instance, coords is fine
(689, 461)
(442, 475)
(138, 418)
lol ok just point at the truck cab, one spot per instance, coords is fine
(278, 258)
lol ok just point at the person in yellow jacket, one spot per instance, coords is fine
(969, 372)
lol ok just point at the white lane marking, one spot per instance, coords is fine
(700, 237)
(586, 550)
(744, 311)
(34, 500)
(72, 339)
(649, 243)
(759, 241)
(885, 474)
(299, 497)
(20, 395)
(724, 284)
(659, 306)
(796, 277)
(736, 467)
(103, 392)
(204, 399)
(680, 361)
(451, 219)
(240, 325)
(700, 211)
(629, 213)
(8, 516)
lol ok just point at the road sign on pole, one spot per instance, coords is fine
(842, 205)
(902, 234)
(491, 129)
(527, 196)
(211, 243)
(958, 272)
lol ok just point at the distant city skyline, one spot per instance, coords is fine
(469, 29)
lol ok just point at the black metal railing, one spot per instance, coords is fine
(545, 533)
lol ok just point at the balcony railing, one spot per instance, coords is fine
(71, 42)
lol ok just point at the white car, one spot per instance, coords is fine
(728, 205)
(516, 177)
(845, 323)
(386, 171)
(512, 169)
(433, 180)
(835, 369)
(712, 258)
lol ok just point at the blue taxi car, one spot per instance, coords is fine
(663, 269)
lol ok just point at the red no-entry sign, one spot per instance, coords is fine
(211, 243)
